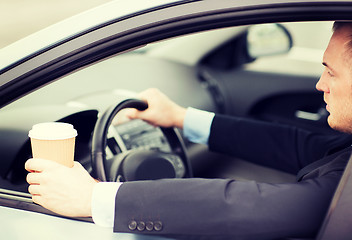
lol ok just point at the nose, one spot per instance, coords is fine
(322, 85)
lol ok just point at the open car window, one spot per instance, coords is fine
(79, 79)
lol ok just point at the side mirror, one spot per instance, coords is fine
(268, 40)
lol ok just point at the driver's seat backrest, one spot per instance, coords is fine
(338, 221)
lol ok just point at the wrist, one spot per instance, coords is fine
(180, 113)
(89, 202)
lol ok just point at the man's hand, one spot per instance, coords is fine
(63, 190)
(161, 110)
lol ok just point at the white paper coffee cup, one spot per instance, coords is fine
(53, 141)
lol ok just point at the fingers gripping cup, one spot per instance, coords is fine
(53, 141)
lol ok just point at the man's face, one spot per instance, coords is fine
(336, 81)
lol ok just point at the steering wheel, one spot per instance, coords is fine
(137, 164)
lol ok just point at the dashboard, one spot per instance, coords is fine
(126, 137)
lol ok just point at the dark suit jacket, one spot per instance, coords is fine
(229, 209)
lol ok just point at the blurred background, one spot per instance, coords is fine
(20, 18)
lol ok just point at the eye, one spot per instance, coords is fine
(329, 72)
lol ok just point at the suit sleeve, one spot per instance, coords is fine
(223, 209)
(228, 209)
(277, 146)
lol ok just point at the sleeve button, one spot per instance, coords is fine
(132, 225)
(149, 226)
(158, 226)
(141, 226)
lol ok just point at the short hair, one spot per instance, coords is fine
(341, 24)
(338, 25)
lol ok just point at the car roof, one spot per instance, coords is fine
(80, 23)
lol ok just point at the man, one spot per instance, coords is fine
(218, 208)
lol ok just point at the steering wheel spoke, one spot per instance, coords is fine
(154, 153)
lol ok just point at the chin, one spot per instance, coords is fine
(333, 124)
(346, 128)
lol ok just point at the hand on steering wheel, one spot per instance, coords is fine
(137, 164)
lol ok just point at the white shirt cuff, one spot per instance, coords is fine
(197, 124)
(103, 203)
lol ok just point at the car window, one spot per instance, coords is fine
(309, 42)
(254, 89)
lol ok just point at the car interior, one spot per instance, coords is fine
(232, 71)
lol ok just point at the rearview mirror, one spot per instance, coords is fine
(268, 40)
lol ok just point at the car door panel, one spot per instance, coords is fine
(273, 97)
